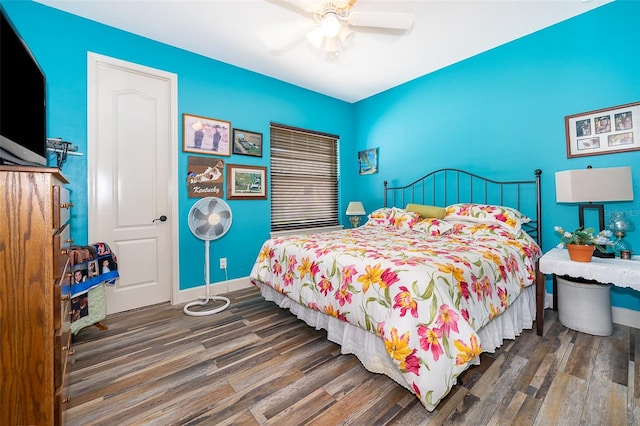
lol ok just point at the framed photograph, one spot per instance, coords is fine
(246, 182)
(247, 143)
(368, 161)
(204, 135)
(604, 131)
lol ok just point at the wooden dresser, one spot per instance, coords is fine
(34, 295)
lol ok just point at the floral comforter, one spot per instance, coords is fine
(426, 294)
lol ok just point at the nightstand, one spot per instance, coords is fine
(582, 290)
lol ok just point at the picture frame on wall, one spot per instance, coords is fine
(246, 142)
(246, 182)
(203, 135)
(603, 131)
(368, 161)
(205, 177)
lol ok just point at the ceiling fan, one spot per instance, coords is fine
(334, 22)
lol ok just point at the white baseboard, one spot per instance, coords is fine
(222, 287)
(622, 316)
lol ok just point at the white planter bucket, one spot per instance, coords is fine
(585, 307)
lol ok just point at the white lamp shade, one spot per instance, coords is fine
(315, 37)
(355, 208)
(330, 25)
(345, 35)
(594, 185)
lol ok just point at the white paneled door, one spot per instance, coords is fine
(131, 157)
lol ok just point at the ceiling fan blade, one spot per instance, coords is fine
(283, 36)
(390, 20)
(299, 6)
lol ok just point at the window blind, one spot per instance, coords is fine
(304, 179)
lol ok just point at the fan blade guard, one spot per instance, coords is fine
(211, 225)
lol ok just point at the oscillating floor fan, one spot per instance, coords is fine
(209, 219)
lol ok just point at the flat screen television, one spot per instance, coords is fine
(23, 136)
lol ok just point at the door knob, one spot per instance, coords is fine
(161, 218)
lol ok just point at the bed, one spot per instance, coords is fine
(443, 271)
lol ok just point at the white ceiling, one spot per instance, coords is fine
(237, 32)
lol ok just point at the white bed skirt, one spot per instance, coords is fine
(370, 349)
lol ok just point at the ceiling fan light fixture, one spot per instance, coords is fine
(345, 35)
(315, 37)
(331, 45)
(330, 25)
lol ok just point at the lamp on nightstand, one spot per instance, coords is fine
(355, 209)
(586, 186)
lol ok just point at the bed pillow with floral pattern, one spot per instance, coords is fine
(488, 214)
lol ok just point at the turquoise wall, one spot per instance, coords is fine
(500, 113)
(60, 42)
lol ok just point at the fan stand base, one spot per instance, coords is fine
(203, 302)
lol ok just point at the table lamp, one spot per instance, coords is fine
(355, 209)
(586, 186)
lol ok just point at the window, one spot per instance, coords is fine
(304, 179)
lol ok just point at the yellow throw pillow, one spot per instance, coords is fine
(427, 211)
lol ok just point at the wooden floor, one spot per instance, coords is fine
(255, 363)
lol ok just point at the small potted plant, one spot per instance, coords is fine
(582, 242)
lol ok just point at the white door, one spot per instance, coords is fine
(131, 154)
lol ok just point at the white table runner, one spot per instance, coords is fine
(619, 272)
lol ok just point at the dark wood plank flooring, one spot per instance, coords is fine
(255, 363)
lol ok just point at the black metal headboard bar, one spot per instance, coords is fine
(417, 192)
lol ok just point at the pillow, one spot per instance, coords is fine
(381, 217)
(432, 226)
(405, 220)
(465, 228)
(506, 217)
(427, 211)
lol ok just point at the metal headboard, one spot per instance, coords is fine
(449, 186)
